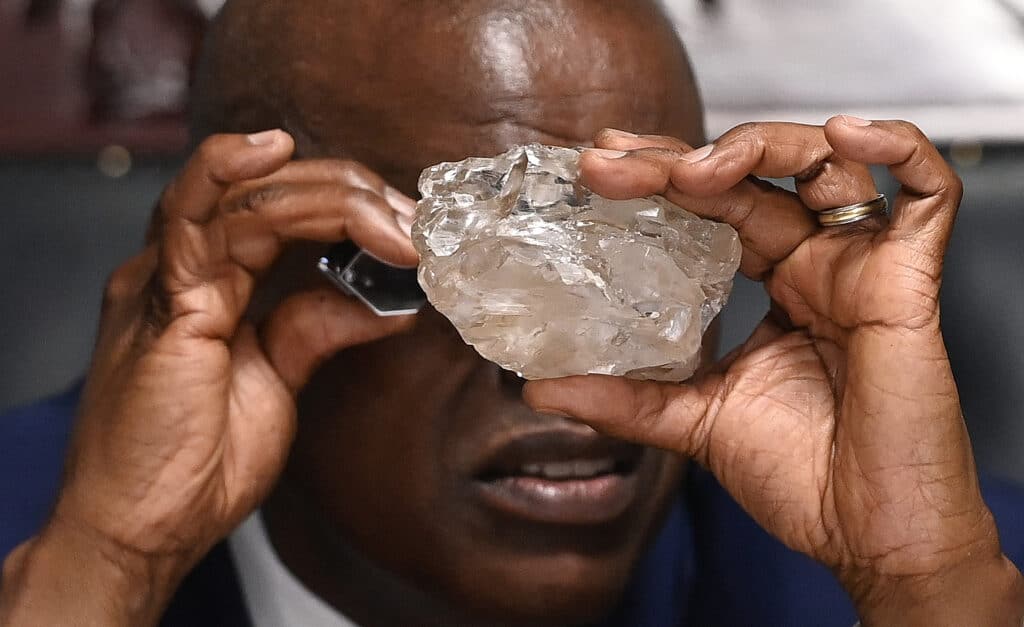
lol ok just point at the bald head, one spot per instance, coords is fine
(393, 435)
(402, 84)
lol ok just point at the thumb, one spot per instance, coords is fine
(310, 327)
(667, 416)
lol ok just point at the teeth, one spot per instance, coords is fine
(575, 469)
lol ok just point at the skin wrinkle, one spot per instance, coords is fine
(527, 103)
(882, 485)
(928, 282)
(411, 545)
(709, 420)
(702, 429)
(923, 537)
(742, 213)
(814, 171)
(781, 401)
(771, 357)
(924, 250)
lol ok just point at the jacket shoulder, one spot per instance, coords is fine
(747, 577)
(1006, 500)
(33, 441)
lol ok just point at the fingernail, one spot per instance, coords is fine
(699, 154)
(263, 139)
(607, 154)
(399, 201)
(405, 222)
(614, 132)
(852, 120)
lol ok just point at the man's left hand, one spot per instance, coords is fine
(837, 425)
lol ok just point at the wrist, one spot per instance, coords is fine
(69, 576)
(977, 592)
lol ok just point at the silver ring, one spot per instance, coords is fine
(854, 213)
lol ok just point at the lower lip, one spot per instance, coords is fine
(574, 502)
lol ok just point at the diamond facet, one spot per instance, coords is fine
(548, 279)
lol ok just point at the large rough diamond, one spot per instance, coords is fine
(548, 279)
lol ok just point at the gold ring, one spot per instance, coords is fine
(853, 213)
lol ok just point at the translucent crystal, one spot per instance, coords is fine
(548, 279)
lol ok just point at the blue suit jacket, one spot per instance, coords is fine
(710, 565)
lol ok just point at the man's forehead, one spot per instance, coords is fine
(400, 139)
(453, 87)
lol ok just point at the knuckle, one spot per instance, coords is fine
(944, 180)
(362, 199)
(358, 175)
(750, 137)
(168, 198)
(210, 150)
(661, 159)
(737, 211)
(604, 135)
(746, 127)
(214, 154)
(910, 130)
(954, 186)
(123, 283)
(648, 407)
(258, 200)
(349, 171)
(156, 302)
(118, 287)
(749, 132)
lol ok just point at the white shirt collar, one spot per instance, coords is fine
(273, 595)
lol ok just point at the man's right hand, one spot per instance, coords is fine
(188, 410)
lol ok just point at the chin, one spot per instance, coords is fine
(564, 555)
(537, 573)
(559, 590)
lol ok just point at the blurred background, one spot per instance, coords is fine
(92, 126)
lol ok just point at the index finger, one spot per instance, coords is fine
(931, 190)
(764, 149)
(824, 179)
(771, 222)
(218, 162)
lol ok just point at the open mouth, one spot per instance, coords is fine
(562, 477)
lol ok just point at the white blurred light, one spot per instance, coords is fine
(966, 154)
(114, 161)
(209, 7)
(951, 66)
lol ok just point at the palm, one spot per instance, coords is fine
(237, 418)
(837, 425)
(221, 421)
(777, 414)
(833, 283)
(784, 401)
(188, 413)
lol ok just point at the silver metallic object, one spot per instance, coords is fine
(854, 213)
(385, 289)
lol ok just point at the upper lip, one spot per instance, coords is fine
(555, 446)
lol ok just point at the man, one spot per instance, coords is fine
(402, 480)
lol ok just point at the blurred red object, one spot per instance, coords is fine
(79, 76)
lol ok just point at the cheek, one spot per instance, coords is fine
(374, 433)
(374, 419)
(397, 384)
(367, 457)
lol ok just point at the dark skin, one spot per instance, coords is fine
(493, 566)
(406, 542)
(218, 370)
